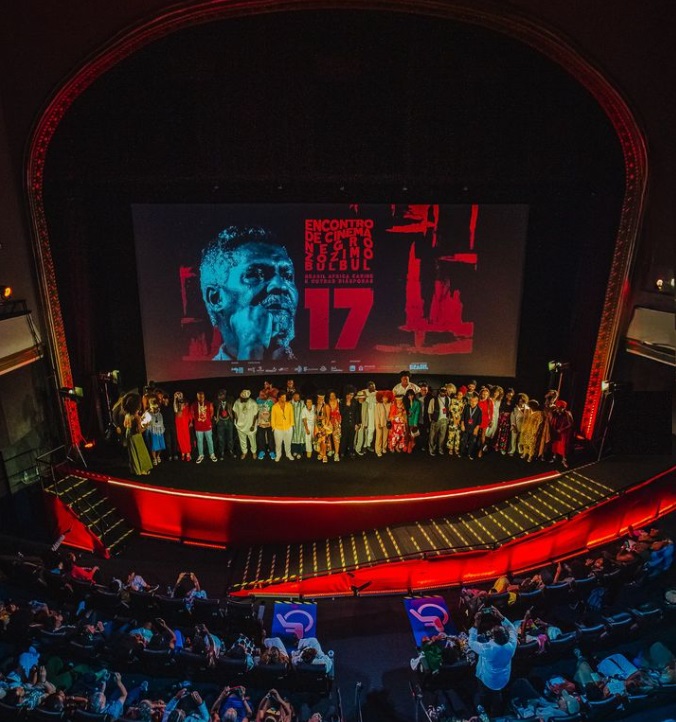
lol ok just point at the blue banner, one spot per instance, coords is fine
(428, 616)
(294, 621)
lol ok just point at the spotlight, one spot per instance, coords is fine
(74, 393)
(610, 387)
(556, 366)
(5, 293)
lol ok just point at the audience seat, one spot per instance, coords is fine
(449, 676)
(159, 662)
(619, 626)
(58, 587)
(173, 611)
(142, 605)
(106, 601)
(207, 611)
(81, 715)
(556, 594)
(43, 715)
(601, 709)
(562, 645)
(311, 678)
(82, 652)
(270, 676)
(582, 588)
(191, 664)
(526, 600)
(9, 713)
(589, 635)
(53, 642)
(526, 653)
(647, 615)
(499, 601)
(232, 671)
(82, 589)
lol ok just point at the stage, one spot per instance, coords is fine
(366, 476)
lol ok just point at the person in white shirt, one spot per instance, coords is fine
(369, 415)
(245, 411)
(307, 418)
(404, 385)
(494, 664)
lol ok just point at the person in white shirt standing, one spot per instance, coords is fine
(494, 665)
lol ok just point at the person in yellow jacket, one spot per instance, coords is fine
(281, 419)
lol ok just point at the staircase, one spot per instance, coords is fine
(94, 510)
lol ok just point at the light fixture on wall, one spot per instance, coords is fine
(5, 292)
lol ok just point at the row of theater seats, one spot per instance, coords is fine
(568, 592)
(187, 665)
(610, 630)
(20, 714)
(225, 616)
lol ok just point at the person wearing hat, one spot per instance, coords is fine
(245, 411)
(369, 415)
(470, 389)
(202, 415)
(405, 384)
(561, 424)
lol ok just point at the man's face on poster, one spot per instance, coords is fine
(254, 302)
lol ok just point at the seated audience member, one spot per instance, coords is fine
(273, 708)
(188, 587)
(90, 635)
(232, 705)
(206, 643)
(527, 703)
(617, 666)
(531, 629)
(274, 652)
(136, 583)
(186, 706)
(75, 571)
(146, 711)
(309, 651)
(242, 648)
(595, 685)
(163, 636)
(113, 708)
(143, 634)
(658, 659)
(470, 602)
(436, 651)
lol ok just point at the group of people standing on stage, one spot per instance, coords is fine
(458, 421)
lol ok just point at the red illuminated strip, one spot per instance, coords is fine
(336, 500)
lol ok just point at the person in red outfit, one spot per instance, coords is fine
(486, 406)
(561, 425)
(202, 414)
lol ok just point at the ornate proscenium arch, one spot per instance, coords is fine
(517, 27)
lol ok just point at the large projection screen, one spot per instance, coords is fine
(238, 289)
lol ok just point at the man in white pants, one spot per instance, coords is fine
(369, 416)
(281, 419)
(245, 411)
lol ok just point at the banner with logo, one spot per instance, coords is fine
(428, 616)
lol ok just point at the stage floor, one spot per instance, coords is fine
(392, 474)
